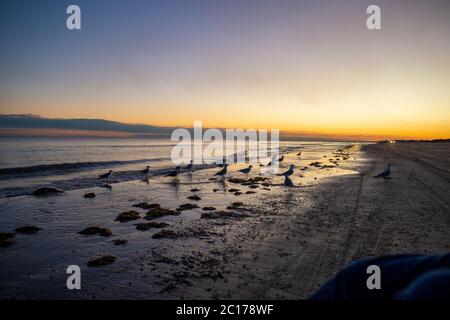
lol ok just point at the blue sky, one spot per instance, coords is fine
(306, 66)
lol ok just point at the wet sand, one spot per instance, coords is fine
(280, 243)
(313, 232)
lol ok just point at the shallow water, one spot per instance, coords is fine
(35, 265)
(68, 163)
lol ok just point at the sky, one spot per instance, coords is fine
(308, 67)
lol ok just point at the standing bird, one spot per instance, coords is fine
(273, 160)
(288, 182)
(146, 170)
(289, 172)
(173, 173)
(299, 154)
(223, 171)
(190, 166)
(386, 173)
(222, 164)
(246, 170)
(105, 175)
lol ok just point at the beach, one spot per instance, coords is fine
(242, 237)
(349, 217)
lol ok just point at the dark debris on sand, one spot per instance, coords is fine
(316, 164)
(96, 230)
(244, 182)
(146, 226)
(147, 206)
(101, 261)
(89, 195)
(120, 242)
(187, 206)
(235, 205)
(27, 229)
(128, 216)
(170, 234)
(194, 197)
(208, 208)
(160, 212)
(223, 215)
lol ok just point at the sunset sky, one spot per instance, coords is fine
(300, 66)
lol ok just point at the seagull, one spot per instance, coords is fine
(224, 161)
(273, 160)
(270, 162)
(146, 170)
(289, 172)
(288, 182)
(386, 173)
(246, 170)
(223, 171)
(173, 173)
(190, 165)
(105, 175)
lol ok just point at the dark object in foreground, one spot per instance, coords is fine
(5, 239)
(46, 191)
(101, 261)
(27, 229)
(403, 277)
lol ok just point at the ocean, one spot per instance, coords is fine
(74, 163)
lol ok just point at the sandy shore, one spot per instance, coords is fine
(280, 243)
(313, 232)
